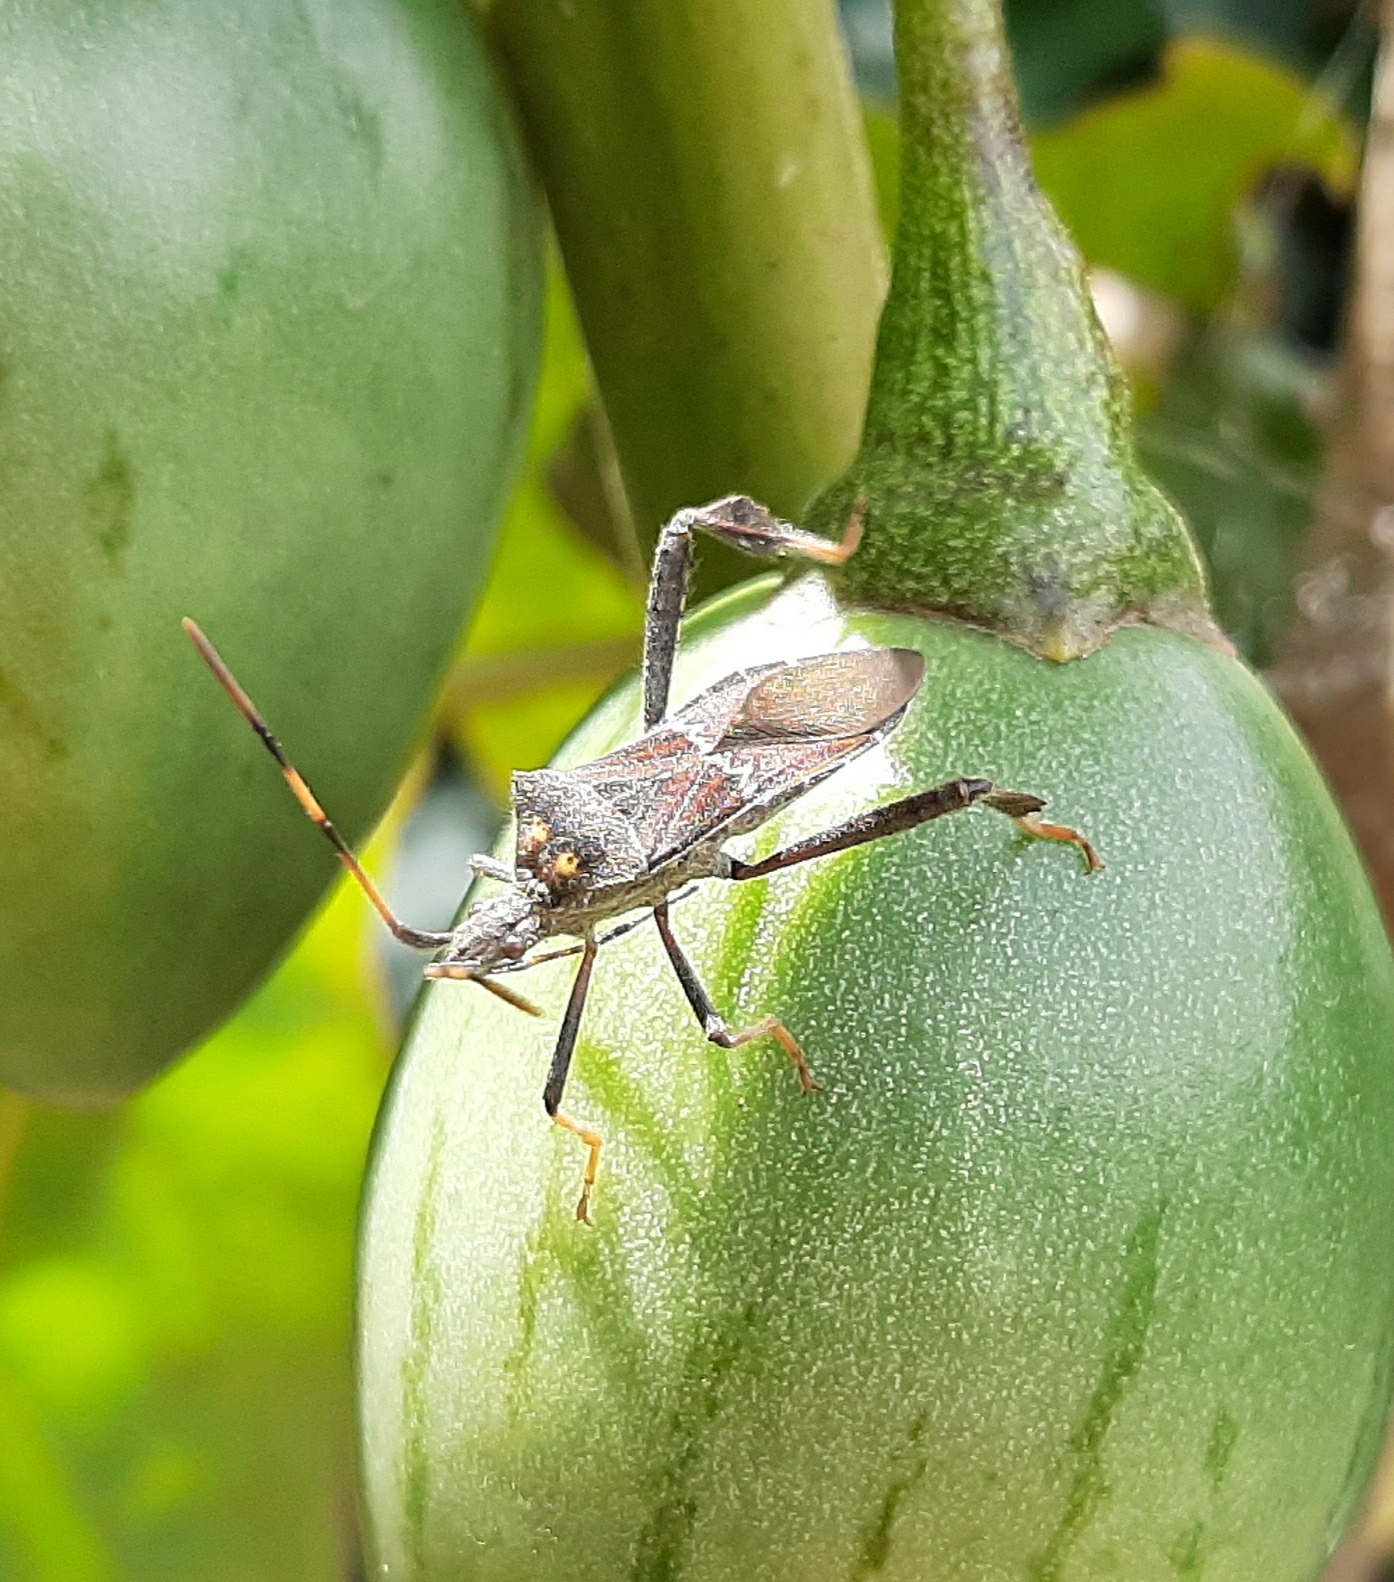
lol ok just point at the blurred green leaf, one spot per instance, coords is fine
(1149, 183)
(1068, 51)
(1307, 33)
(1231, 441)
(175, 1285)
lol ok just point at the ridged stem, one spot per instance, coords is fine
(997, 460)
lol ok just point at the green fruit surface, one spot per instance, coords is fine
(1078, 1267)
(269, 313)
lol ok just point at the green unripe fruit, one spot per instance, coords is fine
(1077, 1265)
(269, 314)
(1077, 1268)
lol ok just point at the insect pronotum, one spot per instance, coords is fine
(625, 832)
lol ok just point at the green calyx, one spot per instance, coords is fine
(997, 471)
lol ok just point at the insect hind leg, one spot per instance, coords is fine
(891, 818)
(741, 522)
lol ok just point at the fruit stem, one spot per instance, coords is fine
(708, 176)
(997, 459)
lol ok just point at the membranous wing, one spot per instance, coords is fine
(831, 698)
(756, 740)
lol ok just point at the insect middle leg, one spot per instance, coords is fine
(561, 1065)
(738, 521)
(713, 1023)
(893, 817)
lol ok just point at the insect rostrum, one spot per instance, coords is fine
(623, 833)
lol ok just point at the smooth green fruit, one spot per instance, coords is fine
(1077, 1268)
(269, 314)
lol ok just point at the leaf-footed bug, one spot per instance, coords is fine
(628, 830)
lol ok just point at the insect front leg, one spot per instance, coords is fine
(462, 973)
(561, 1065)
(738, 521)
(1020, 806)
(618, 932)
(491, 868)
(713, 1023)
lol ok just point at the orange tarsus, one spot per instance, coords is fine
(1035, 826)
(595, 1143)
(772, 1027)
(836, 554)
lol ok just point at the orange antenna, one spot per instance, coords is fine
(453, 969)
(419, 938)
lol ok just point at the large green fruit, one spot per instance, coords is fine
(269, 302)
(1077, 1268)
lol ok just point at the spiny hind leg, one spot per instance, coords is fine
(742, 523)
(891, 818)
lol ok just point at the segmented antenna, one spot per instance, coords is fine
(305, 797)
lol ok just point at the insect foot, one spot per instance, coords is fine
(1023, 808)
(771, 1027)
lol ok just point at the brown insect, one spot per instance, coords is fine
(626, 831)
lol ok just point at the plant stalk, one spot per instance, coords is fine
(997, 460)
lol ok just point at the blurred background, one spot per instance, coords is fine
(175, 1275)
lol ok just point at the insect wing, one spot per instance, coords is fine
(662, 784)
(827, 698)
(796, 725)
(750, 743)
(767, 777)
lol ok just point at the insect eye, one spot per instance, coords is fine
(533, 836)
(561, 867)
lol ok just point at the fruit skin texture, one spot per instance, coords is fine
(1076, 1268)
(269, 321)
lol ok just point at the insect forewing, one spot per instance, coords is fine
(750, 743)
(795, 725)
(828, 698)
